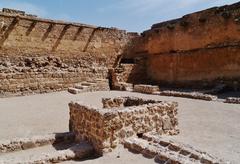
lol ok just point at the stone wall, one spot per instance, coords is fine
(105, 128)
(36, 53)
(127, 74)
(197, 50)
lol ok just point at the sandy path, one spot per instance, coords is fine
(210, 126)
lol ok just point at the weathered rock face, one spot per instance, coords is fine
(197, 50)
(37, 54)
(121, 118)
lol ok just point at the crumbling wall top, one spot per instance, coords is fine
(23, 15)
(225, 11)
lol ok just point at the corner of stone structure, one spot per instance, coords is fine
(119, 118)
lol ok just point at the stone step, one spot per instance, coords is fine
(48, 154)
(87, 84)
(182, 149)
(91, 81)
(74, 90)
(81, 87)
(35, 141)
(90, 86)
(78, 86)
(159, 153)
(164, 150)
(148, 89)
(101, 80)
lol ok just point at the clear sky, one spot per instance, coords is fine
(132, 15)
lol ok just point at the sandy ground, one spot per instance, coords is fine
(209, 126)
(118, 156)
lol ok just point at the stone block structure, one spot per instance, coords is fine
(41, 55)
(121, 118)
(199, 50)
(149, 89)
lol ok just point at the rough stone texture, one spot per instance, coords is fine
(39, 55)
(121, 102)
(232, 100)
(185, 150)
(149, 89)
(126, 74)
(36, 141)
(165, 151)
(198, 50)
(192, 95)
(105, 128)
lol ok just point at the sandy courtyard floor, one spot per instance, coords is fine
(213, 127)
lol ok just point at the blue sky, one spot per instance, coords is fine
(132, 15)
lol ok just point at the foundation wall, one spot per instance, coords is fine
(105, 128)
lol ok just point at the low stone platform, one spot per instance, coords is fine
(148, 89)
(122, 86)
(192, 95)
(49, 154)
(152, 89)
(35, 141)
(121, 118)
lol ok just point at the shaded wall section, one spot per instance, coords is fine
(41, 55)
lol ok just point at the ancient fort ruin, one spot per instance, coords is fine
(196, 56)
(197, 50)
